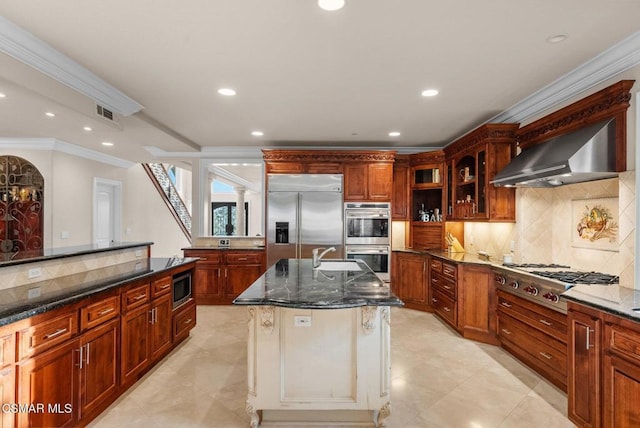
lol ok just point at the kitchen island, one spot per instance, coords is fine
(319, 344)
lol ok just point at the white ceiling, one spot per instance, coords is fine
(304, 76)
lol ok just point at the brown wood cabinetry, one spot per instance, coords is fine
(410, 279)
(444, 290)
(535, 335)
(400, 191)
(472, 162)
(477, 318)
(604, 369)
(221, 275)
(135, 343)
(7, 375)
(160, 326)
(427, 200)
(184, 319)
(368, 181)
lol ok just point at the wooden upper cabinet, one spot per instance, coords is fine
(368, 182)
(355, 182)
(400, 189)
(472, 163)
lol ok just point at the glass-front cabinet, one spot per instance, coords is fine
(427, 200)
(472, 162)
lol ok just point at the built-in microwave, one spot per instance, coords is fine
(181, 288)
(367, 223)
(377, 257)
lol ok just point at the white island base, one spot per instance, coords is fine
(307, 367)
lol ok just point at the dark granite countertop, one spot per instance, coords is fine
(453, 257)
(613, 299)
(22, 257)
(208, 247)
(293, 283)
(28, 300)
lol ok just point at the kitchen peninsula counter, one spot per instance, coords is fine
(318, 348)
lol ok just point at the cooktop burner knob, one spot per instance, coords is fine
(500, 279)
(514, 284)
(531, 290)
(551, 297)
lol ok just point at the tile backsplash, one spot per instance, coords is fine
(543, 228)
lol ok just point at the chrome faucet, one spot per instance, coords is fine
(316, 257)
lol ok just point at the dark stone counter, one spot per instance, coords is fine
(293, 283)
(22, 257)
(28, 300)
(613, 299)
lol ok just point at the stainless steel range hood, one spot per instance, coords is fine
(584, 155)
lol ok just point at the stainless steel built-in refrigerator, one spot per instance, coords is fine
(304, 211)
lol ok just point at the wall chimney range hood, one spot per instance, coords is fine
(586, 154)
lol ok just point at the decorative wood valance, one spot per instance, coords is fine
(435, 156)
(491, 132)
(277, 155)
(610, 102)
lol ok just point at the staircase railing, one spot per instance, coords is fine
(160, 179)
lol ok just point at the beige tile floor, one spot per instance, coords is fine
(439, 380)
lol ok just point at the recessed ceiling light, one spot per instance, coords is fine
(429, 92)
(394, 134)
(331, 4)
(107, 143)
(87, 128)
(257, 133)
(227, 92)
(50, 114)
(2, 95)
(557, 38)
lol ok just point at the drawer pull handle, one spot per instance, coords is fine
(448, 287)
(81, 357)
(545, 322)
(242, 259)
(164, 287)
(505, 304)
(188, 321)
(446, 309)
(55, 333)
(587, 342)
(434, 300)
(434, 280)
(106, 311)
(547, 356)
(141, 296)
(87, 355)
(505, 331)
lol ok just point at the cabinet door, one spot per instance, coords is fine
(135, 343)
(99, 373)
(50, 379)
(380, 182)
(8, 395)
(355, 182)
(239, 278)
(477, 315)
(412, 273)
(400, 203)
(161, 324)
(584, 369)
(208, 282)
(622, 393)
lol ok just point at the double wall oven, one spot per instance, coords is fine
(367, 227)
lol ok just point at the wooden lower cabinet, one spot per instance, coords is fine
(135, 343)
(99, 373)
(622, 393)
(239, 277)
(50, 379)
(477, 307)
(410, 279)
(184, 319)
(161, 325)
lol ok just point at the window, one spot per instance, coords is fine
(223, 218)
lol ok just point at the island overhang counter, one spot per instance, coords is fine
(318, 347)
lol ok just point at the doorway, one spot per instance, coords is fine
(107, 211)
(223, 218)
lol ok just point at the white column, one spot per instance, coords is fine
(198, 188)
(240, 191)
(209, 190)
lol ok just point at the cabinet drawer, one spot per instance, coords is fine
(161, 286)
(99, 312)
(436, 266)
(243, 259)
(547, 351)
(551, 322)
(444, 285)
(445, 307)
(184, 320)
(204, 256)
(7, 350)
(622, 341)
(284, 167)
(135, 297)
(450, 270)
(46, 334)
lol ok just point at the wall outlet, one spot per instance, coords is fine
(302, 321)
(512, 245)
(224, 242)
(34, 293)
(35, 272)
(64, 234)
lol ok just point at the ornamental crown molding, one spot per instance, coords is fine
(270, 155)
(25, 47)
(504, 133)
